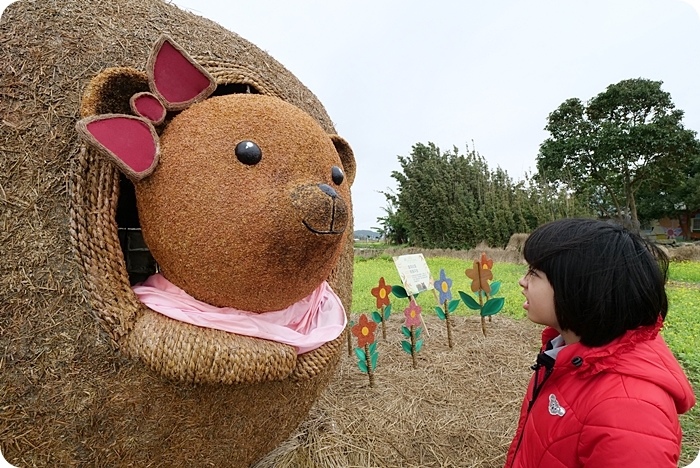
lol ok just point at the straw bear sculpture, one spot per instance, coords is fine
(175, 236)
(243, 201)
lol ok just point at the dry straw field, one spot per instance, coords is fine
(457, 409)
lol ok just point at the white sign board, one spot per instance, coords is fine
(414, 273)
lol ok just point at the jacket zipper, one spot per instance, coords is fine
(535, 393)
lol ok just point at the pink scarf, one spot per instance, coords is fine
(306, 325)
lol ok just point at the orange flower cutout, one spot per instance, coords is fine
(381, 292)
(486, 262)
(480, 276)
(364, 331)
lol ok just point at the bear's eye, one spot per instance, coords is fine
(248, 152)
(337, 175)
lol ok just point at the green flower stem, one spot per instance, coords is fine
(413, 347)
(449, 325)
(487, 298)
(481, 306)
(368, 361)
(383, 325)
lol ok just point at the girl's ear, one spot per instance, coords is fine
(347, 157)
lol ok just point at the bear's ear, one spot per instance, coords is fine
(346, 157)
(130, 142)
(110, 91)
(175, 78)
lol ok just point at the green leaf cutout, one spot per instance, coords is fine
(440, 313)
(399, 291)
(495, 287)
(406, 346)
(387, 312)
(406, 331)
(360, 353)
(362, 365)
(469, 301)
(373, 360)
(493, 306)
(419, 345)
(373, 348)
(377, 317)
(452, 305)
(417, 331)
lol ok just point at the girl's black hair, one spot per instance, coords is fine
(606, 280)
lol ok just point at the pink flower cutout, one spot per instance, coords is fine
(412, 314)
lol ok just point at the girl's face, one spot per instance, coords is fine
(539, 296)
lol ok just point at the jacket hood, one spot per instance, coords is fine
(640, 353)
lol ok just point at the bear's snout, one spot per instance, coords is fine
(321, 209)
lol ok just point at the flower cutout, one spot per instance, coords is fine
(364, 331)
(412, 314)
(443, 286)
(480, 276)
(381, 292)
(486, 262)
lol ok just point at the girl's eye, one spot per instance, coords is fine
(531, 272)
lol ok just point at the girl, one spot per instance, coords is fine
(607, 391)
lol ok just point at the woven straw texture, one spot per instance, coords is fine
(71, 391)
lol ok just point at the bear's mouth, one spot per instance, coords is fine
(321, 209)
(330, 230)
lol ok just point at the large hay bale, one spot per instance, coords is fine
(68, 395)
(517, 241)
(684, 253)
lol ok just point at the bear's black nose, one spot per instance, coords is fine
(328, 190)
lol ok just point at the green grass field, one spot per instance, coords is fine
(681, 329)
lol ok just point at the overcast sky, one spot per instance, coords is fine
(393, 73)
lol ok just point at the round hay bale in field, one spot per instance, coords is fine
(517, 241)
(684, 253)
(72, 395)
(459, 408)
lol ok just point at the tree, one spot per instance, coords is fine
(628, 137)
(453, 200)
(679, 195)
(393, 224)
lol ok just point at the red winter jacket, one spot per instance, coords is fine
(611, 406)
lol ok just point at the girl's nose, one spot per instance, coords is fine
(523, 282)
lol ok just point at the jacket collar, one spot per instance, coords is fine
(592, 360)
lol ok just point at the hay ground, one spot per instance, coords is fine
(459, 408)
